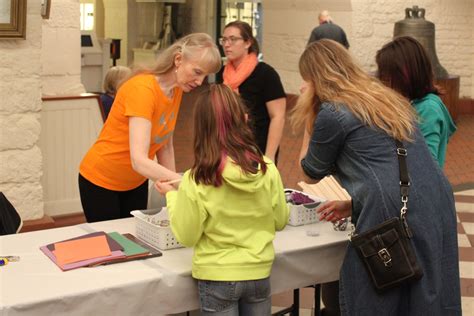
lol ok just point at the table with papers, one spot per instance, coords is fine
(155, 286)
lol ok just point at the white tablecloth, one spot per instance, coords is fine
(162, 285)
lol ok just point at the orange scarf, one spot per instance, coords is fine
(233, 77)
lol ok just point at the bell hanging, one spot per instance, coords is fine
(423, 31)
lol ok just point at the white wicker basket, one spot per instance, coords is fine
(305, 213)
(157, 236)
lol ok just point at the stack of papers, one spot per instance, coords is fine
(328, 189)
(97, 248)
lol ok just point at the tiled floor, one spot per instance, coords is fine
(465, 210)
(459, 169)
(460, 156)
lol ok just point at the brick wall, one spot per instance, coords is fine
(368, 24)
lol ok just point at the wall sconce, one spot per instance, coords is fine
(45, 8)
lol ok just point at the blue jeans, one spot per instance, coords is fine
(226, 298)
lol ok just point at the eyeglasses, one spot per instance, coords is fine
(231, 40)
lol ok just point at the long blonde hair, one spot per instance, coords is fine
(196, 46)
(334, 77)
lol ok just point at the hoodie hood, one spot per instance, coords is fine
(436, 125)
(449, 125)
(235, 177)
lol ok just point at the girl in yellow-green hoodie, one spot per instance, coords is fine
(228, 207)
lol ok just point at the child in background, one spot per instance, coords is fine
(228, 207)
(404, 66)
(114, 77)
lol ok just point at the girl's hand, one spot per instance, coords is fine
(333, 211)
(163, 187)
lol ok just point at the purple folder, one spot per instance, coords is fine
(113, 245)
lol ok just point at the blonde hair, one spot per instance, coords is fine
(114, 78)
(334, 77)
(198, 47)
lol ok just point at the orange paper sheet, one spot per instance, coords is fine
(81, 249)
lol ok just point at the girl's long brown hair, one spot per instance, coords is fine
(404, 65)
(221, 131)
(334, 77)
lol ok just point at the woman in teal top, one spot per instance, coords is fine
(404, 66)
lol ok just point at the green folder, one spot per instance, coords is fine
(130, 248)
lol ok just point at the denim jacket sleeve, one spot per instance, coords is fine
(327, 140)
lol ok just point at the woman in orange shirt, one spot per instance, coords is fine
(113, 175)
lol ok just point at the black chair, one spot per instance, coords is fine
(10, 220)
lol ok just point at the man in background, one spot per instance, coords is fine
(329, 30)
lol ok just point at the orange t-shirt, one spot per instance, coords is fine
(107, 164)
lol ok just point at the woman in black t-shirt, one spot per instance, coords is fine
(257, 83)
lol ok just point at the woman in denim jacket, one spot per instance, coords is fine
(351, 121)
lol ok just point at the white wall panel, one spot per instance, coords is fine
(68, 129)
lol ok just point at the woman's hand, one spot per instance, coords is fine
(164, 187)
(140, 131)
(333, 211)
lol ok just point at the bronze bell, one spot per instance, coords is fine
(423, 31)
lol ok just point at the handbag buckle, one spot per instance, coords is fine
(384, 255)
(402, 151)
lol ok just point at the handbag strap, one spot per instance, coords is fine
(404, 184)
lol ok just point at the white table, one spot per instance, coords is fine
(162, 285)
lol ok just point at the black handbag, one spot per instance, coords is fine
(386, 249)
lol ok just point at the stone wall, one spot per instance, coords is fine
(61, 46)
(454, 22)
(20, 105)
(48, 62)
(368, 24)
